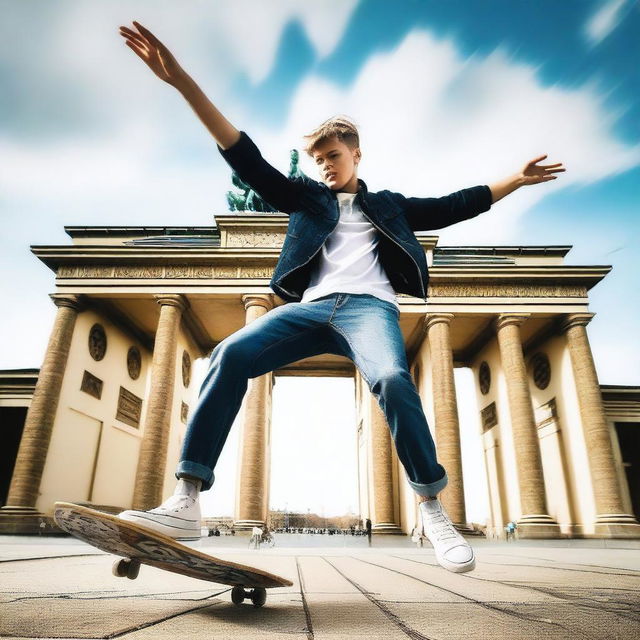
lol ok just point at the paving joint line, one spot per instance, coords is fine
(305, 606)
(403, 626)
(485, 605)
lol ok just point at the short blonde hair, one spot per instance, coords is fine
(339, 126)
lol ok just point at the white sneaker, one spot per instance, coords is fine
(453, 552)
(177, 517)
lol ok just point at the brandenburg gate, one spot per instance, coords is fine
(137, 305)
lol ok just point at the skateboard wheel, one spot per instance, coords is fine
(133, 569)
(238, 594)
(119, 569)
(259, 596)
(126, 568)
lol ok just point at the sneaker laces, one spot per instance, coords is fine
(441, 525)
(175, 503)
(443, 529)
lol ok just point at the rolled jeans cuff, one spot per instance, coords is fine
(195, 470)
(430, 490)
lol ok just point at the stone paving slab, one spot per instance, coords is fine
(517, 591)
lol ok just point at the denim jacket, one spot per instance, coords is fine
(314, 211)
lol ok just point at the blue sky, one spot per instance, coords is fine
(446, 94)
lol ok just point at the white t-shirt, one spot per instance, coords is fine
(348, 261)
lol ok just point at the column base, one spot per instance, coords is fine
(537, 526)
(246, 525)
(388, 528)
(27, 521)
(617, 525)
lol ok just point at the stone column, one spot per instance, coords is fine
(155, 438)
(252, 491)
(535, 522)
(447, 426)
(38, 426)
(611, 520)
(384, 520)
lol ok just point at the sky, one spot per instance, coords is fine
(446, 95)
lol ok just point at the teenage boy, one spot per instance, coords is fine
(346, 252)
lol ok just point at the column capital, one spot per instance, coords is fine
(433, 318)
(75, 302)
(504, 319)
(258, 299)
(574, 320)
(172, 300)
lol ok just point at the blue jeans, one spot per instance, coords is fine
(363, 328)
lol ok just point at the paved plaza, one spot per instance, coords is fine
(58, 587)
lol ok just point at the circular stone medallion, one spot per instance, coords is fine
(97, 342)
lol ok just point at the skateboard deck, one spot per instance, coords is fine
(139, 545)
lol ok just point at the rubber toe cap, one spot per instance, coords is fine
(460, 554)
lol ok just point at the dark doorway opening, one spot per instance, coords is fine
(629, 439)
(12, 420)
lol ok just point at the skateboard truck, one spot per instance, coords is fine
(130, 568)
(258, 595)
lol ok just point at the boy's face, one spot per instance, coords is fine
(337, 164)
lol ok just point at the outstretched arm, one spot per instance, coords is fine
(236, 147)
(162, 62)
(530, 174)
(424, 214)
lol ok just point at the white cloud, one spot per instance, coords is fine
(253, 29)
(125, 179)
(111, 137)
(87, 75)
(225, 37)
(605, 20)
(432, 122)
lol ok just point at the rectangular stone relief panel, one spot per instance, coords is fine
(91, 385)
(263, 269)
(184, 412)
(479, 289)
(129, 408)
(488, 417)
(254, 238)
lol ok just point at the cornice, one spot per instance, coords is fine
(472, 273)
(505, 250)
(54, 256)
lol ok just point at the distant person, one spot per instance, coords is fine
(256, 537)
(368, 527)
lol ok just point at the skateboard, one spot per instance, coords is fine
(138, 545)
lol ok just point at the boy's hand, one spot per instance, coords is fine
(157, 57)
(532, 174)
